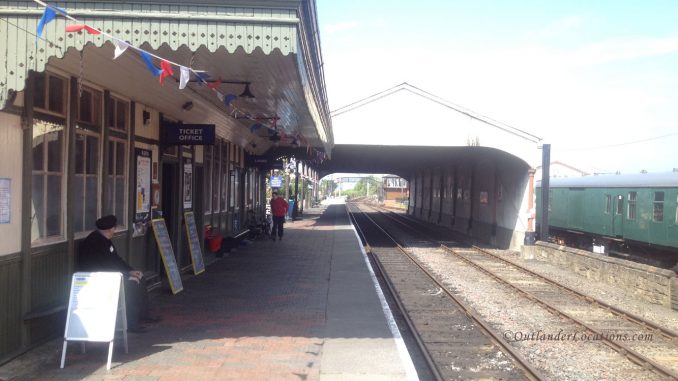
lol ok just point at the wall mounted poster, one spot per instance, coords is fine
(143, 192)
(5, 200)
(188, 185)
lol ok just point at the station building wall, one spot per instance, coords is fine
(71, 154)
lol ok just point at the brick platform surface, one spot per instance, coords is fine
(303, 308)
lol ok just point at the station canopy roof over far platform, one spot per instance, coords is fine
(409, 125)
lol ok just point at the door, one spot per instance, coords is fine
(618, 216)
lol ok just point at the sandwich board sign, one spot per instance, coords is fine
(194, 243)
(93, 307)
(162, 238)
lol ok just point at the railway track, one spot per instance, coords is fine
(456, 343)
(617, 329)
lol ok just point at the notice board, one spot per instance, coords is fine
(167, 254)
(93, 306)
(194, 243)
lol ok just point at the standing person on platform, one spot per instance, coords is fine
(97, 253)
(278, 210)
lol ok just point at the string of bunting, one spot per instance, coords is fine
(166, 69)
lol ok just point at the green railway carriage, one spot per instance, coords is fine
(615, 211)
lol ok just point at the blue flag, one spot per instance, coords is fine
(47, 16)
(149, 64)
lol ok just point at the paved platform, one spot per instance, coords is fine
(303, 308)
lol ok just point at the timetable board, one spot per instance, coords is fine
(167, 254)
(194, 243)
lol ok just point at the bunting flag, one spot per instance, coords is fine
(149, 64)
(47, 16)
(166, 71)
(51, 12)
(185, 77)
(215, 84)
(80, 27)
(202, 77)
(228, 99)
(120, 47)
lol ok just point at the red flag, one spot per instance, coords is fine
(166, 70)
(215, 84)
(79, 27)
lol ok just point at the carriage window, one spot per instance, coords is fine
(620, 206)
(608, 204)
(632, 206)
(658, 213)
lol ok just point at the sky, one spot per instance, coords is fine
(598, 80)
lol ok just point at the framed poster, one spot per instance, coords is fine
(143, 188)
(5, 200)
(188, 185)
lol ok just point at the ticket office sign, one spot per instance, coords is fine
(167, 254)
(194, 243)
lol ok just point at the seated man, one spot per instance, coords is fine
(97, 253)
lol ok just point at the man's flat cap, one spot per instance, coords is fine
(106, 222)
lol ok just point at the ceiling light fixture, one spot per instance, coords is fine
(187, 106)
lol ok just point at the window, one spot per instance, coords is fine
(216, 176)
(117, 179)
(208, 177)
(48, 174)
(658, 212)
(118, 114)
(89, 107)
(632, 206)
(608, 204)
(224, 176)
(50, 94)
(619, 209)
(86, 181)
(676, 210)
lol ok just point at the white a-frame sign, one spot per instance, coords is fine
(93, 306)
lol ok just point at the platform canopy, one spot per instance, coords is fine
(271, 45)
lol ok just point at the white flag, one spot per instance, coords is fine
(120, 47)
(185, 76)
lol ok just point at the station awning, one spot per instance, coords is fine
(272, 45)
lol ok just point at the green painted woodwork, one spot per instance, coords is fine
(141, 23)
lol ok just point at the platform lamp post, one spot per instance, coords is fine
(545, 176)
(295, 210)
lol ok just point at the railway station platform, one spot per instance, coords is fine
(302, 308)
